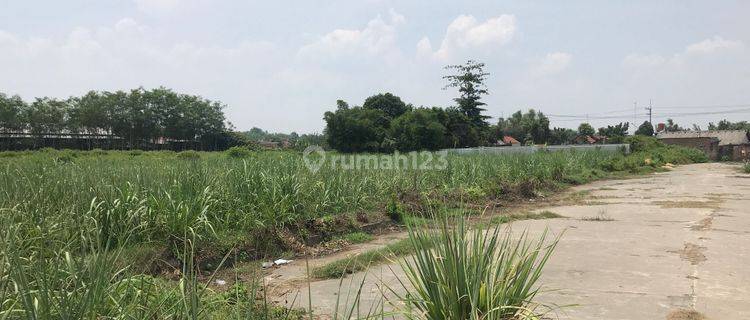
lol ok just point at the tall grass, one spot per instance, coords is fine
(153, 197)
(80, 229)
(458, 273)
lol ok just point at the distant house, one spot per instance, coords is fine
(722, 144)
(590, 139)
(507, 141)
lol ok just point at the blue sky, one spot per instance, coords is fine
(280, 65)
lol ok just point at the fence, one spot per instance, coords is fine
(80, 141)
(624, 148)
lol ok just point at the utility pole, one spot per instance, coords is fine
(635, 115)
(650, 112)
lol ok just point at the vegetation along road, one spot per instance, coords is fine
(662, 246)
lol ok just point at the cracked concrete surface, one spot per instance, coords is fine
(677, 245)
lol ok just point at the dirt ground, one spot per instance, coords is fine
(672, 245)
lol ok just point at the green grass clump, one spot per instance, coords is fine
(238, 152)
(362, 261)
(746, 168)
(458, 273)
(189, 155)
(524, 216)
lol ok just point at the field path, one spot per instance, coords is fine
(664, 246)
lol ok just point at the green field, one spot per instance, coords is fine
(132, 234)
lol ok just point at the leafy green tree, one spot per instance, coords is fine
(560, 136)
(616, 133)
(311, 139)
(645, 129)
(460, 132)
(531, 127)
(132, 118)
(47, 115)
(672, 127)
(586, 129)
(12, 111)
(356, 129)
(418, 129)
(390, 104)
(728, 125)
(470, 80)
(89, 114)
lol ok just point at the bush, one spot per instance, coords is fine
(642, 143)
(746, 169)
(238, 152)
(457, 273)
(395, 210)
(135, 152)
(189, 154)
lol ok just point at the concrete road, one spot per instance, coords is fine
(673, 245)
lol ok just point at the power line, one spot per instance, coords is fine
(650, 112)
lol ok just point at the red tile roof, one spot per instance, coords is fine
(510, 140)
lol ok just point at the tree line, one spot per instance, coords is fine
(139, 118)
(384, 122)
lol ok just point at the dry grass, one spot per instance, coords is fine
(688, 204)
(684, 314)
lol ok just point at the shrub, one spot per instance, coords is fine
(238, 152)
(189, 154)
(746, 169)
(642, 143)
(135, 152)
(457, 273)
(395, 210)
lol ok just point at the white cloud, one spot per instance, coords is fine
(640, 60)
(424, 48)
(378, 38)
(466, 33)
(156, 6)
(708, 46)
(712, 45)
(127, 55)
(552, 63)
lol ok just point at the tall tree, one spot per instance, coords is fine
(531, 127)
(645, 129)
(356, 129)
(47, 115)
(672, 127)
(560, 136)
(586, 129)
(390, 104)
(728, 125)
(616, 133)
(89, 114)
(12, 111)
(418, 129)
(470, 80)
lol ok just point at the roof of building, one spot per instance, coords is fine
(726, 137)
(510, 140)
